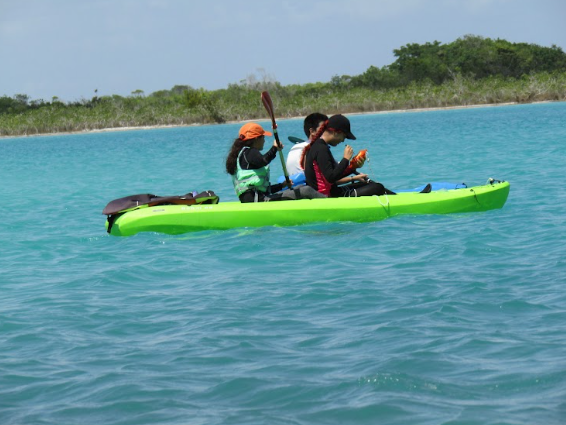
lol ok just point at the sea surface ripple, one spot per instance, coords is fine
(456, 319)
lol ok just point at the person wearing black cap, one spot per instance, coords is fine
(332, 178)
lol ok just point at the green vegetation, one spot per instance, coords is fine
(469, 71)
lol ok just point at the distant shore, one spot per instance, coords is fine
(153, 127)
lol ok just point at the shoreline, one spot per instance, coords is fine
(154, 127)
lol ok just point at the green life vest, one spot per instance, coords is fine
(244, 180)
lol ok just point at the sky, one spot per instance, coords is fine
(70, 48)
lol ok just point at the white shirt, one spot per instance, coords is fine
(294, 158)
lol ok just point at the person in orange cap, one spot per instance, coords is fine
(249, 169)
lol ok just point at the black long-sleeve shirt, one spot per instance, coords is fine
(252, 159)
(321, 169)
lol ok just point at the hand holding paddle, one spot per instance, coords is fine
(266, 99)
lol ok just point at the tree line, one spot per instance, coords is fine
(470, 56)
(471, 69)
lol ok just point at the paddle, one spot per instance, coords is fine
(266, 99)
(295, 139)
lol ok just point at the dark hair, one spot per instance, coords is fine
(312, 121)
(307, 148)
(232, 157)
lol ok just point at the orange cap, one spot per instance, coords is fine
(252, 130)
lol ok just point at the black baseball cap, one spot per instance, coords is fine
(341, 123)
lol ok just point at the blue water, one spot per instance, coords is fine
(457, 319)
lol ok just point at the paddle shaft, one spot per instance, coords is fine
(285, 172)
(266, 99)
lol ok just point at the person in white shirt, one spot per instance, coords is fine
(311, 124)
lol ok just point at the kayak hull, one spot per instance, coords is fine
(177, 219)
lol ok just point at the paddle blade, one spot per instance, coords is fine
(268, 103)
(295, 139)
(266, 99)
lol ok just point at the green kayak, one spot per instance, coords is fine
(177, 219)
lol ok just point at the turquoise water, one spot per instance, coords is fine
(457, 319)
